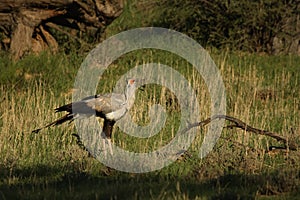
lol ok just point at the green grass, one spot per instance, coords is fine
(261, 90)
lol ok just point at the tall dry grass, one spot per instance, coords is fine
(263, 102)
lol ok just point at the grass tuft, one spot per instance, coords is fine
(261, 90)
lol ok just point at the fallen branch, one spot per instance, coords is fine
(242, 125)
(21, 22)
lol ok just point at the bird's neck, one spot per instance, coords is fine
(130, 97)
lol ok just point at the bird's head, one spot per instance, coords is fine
(130, 88)
(134, 83)
(131, 82)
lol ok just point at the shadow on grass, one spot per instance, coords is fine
(43, 182)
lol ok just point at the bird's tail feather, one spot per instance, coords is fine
(59, 121)
(67, 107)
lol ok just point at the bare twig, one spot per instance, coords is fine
(237, 123)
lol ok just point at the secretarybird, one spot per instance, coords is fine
(111, 107)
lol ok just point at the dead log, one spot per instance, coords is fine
(237, 123)
(23, 23)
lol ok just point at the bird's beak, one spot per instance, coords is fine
(142, 88)
(141, 81)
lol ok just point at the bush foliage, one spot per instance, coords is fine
(241, 25)
(235, 24)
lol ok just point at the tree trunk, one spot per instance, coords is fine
(25, 24)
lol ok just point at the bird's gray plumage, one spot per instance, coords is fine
(111, 107)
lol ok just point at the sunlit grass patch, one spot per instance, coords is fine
(263, 97)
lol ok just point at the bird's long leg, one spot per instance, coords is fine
(106, 135)
(103, 138)
(109, 146)
(106, 141)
